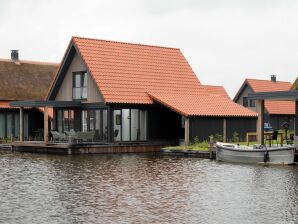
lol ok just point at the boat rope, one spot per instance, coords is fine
(266, 155)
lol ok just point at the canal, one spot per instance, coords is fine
(143, 188)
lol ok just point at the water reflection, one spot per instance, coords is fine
(142, 188)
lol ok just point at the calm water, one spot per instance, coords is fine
(142, 188)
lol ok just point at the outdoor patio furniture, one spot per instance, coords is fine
(271, 138)
(57, 136)
(85, 136)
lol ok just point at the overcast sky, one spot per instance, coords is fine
(224, 41)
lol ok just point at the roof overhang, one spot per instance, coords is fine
(57, 104)
(40, 103)
(277, 95)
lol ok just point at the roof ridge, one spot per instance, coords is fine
(265, 80)
(127, 43)
(212, 85)
(30, 62)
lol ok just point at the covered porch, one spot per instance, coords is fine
(274, 96)
(67, 116)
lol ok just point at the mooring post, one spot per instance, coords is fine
(260, 122)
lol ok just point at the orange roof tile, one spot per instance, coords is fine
(201, 104)
(268, 85)
(273, 107)
(125, 72)
(218, 90)
(142, 74)
(6, 105)
(280, 107)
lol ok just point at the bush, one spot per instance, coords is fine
(196, 140)
(235, 137)
(218, 138)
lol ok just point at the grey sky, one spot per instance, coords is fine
(224, 41)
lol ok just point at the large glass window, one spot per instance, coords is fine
(105, 124)
(84, 120)
(96, 120)
(9, 124)
(2, 125)
(68, 120)
(26, 125)
(125, 124)
(131, 124)
(143, 125)
(59, 120)
(245, 102)
(79, 90)
(135, 133)
(252, 103)
(117, 125)
(16, 125)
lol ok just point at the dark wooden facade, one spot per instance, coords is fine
(203, 127)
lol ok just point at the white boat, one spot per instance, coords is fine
(255, 154)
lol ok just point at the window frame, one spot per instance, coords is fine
(81, 87)
(245, 101)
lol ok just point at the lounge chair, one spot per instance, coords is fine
(57, 136)
(85, 136)
(272, 138)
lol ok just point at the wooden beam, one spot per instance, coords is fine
(186, 131)
(225, 130)
(21, 124)
(260, 122)
(45, 125)
(296, 118)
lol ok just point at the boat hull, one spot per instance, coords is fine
(282, 155)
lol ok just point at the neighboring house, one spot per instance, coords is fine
(133, 92)
(23, 80)
(276, 112)
(295, 85)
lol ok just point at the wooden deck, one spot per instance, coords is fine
(85, 148)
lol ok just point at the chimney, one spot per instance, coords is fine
(14, 55)
(273, 78)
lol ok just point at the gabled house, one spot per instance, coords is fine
(295, 85)
(23, 80)
(276, 112)
(138, 93)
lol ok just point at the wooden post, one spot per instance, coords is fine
(45, 125)
(186, 131)
(224, 130)
(296, 118)
(260, 122)
(21, 124)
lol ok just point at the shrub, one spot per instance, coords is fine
(196, 140)
(218, 138)
(235, 137)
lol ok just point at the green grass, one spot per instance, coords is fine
(197, 146)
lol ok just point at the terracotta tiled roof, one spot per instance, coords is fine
(125, 72)
(142, 74)
(5, 105)
(220, 90)
(201, 104)
(268, 85)
(280, 107)
(273, 107)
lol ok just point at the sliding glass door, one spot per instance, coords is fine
(96, 120)
(130, 125)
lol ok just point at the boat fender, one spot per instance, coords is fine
(266, 156)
